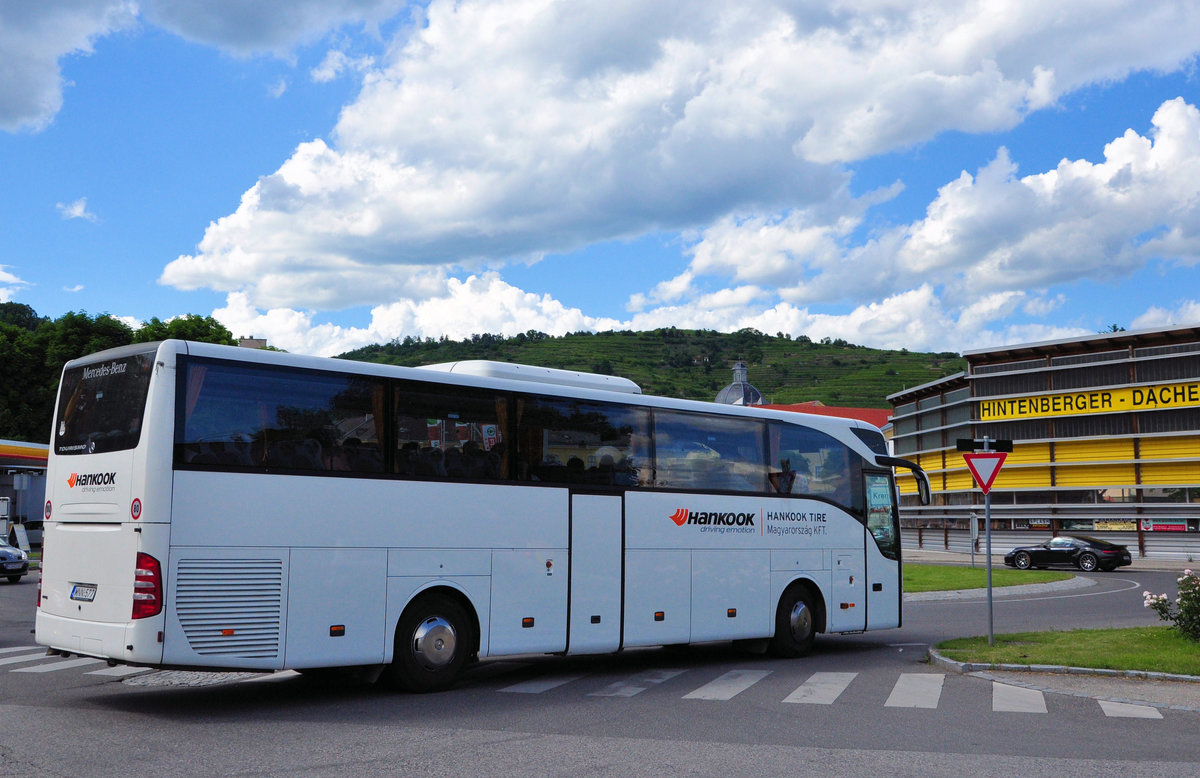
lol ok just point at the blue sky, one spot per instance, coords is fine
(332, 173)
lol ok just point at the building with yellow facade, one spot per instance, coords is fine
(1105, 431)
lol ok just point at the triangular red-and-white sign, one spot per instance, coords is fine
(985, 466)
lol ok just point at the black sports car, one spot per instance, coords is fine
(1082, 551)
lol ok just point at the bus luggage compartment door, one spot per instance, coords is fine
(848, 611)
(596, 540)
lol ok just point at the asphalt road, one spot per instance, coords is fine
(860, 704)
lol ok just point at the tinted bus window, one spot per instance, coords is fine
(101, 405)
(807, 461)
(245, 416)
(697, 451)
(580, 442)
(444, 432)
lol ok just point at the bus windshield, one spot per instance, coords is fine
(101, 405)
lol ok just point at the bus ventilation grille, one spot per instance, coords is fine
(231, 607)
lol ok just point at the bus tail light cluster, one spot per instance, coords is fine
(147, 587)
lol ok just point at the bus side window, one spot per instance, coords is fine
(450, 433)
(242, 416)
(582, 443)
(807, 461)
(701, 451)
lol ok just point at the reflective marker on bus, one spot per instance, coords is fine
(226, 508)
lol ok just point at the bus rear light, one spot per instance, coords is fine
(147, 587)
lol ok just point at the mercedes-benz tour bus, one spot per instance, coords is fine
(226, 508)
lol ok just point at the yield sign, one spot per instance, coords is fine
(985, 466)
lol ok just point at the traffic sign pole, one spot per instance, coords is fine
(985, 467)
(987, 518)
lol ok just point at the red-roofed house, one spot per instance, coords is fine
(880, 417)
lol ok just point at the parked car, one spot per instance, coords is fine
(1082, 551)
(14, 562)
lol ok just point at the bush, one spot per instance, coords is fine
(1185, 611)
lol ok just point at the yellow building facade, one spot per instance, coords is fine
(1105, 431)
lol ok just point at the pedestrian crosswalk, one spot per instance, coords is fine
(910, 690)
(917, 690)
(34, 659)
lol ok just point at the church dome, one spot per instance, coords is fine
(740, 392)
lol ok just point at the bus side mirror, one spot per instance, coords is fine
(923, 489)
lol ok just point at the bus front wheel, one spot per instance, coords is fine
(795, 624)
(433, 641)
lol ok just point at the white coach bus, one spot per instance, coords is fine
(216, 507)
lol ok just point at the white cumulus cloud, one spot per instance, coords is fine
(76, 210)
(502, 131)
(34, 37)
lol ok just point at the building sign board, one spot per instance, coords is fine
(1134, 398)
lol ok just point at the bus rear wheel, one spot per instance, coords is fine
(433, 641)
(795, 624)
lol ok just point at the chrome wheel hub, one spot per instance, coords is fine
(801, 621)
(433, 643)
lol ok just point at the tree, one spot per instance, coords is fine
(33, 350)
(20, 315)
(204, 329)
(74, 335)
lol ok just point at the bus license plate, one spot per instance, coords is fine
(83, 592)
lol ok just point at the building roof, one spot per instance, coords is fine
(24, 456)
(943, 384)
(880, 417)
(1087, 343)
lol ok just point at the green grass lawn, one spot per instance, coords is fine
(937, 578)
(1152, 649)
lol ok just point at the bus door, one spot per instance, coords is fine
(883, 536)
(597, 538)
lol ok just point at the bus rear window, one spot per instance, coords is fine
(100, 406)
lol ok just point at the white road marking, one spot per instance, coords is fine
(728, 686)
(15, 649)
(916, 690)
(65, 664)
(636, 684)
(539, 685)
(33, 657)
(120, 671)
(821, 688)
(1127, 710)
(1016, 699)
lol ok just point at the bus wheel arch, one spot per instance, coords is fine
(799, 616)
(436, 636)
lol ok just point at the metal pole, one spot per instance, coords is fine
(987, 518)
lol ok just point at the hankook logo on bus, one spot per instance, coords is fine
(712, 518)
(93, 482)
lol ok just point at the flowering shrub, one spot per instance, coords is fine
(1185, 611)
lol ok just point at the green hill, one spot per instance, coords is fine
(696, 364)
